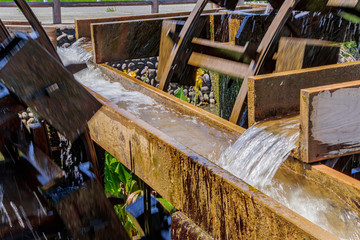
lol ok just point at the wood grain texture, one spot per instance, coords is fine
(330, 121)
(45, 85)
(230, 68)
(4, 34)
(49, 30)
(298, 53)
(344, 3)
(278, 94)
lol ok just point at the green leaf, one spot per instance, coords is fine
(180, 94)
(168, 206)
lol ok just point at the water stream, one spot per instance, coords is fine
(256, 157)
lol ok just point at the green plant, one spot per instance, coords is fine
(110, 9)
(120, 182)
(180, 94)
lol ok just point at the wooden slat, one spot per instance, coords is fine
(344, 3)
(231, 68)
(49, 30)
(36, 25)
(329, 121)
(278, 94)
(219, 45)
(298, 53)
(4, 34)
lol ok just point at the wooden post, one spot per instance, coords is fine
(56, 12)
(3, 32)
(155, 6)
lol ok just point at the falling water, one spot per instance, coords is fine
(257, 157)
(258, 153)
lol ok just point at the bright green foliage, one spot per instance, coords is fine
(180, 94)
(121, 183)
(167, 206)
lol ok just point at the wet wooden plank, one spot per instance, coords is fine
(49, 30)
(4, 34)
(298, 53)
(228, 67)
(329, 121)
(278, 94)
(127, 39)
(344, 3)
(47, 87)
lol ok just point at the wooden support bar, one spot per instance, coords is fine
(34, 22)
(56, 12)
(344, 3)
(49, 30)
(298, 53)
(155, 6)
(329, 121)
(127, 39)
(183, 228)
(278, 94)
(82, 26)
(228, 67)
(4, 34)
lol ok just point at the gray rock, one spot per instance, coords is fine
(212, 95)
(156, 65)
(147, 81)
(205, 89)
(153, 59)
(140, 64)
(212, 101)
(61, 37)
(113, 65)
(149, 64)
(173, 85)
(124, 66)
(138, 77)
(191, 94)
(206, 98)
(201, 96)
(171, 92)
(65, 45)
(157, 85)
(131, 66)
(118, 66)
(136, 71)
(176, 91)
(206, 78)
(143, 72)
(185, 91)
(143, 59)
(152, 73)
(70, 37)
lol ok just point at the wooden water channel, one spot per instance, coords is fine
(212, 203)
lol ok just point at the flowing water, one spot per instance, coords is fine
(256, 157)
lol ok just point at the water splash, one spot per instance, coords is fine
(258, 153)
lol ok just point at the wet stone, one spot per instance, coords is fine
(152, 73)
(152, 82)
(144, 70)
(136, 71)
(212, 101)
(150, 64)
(118, 66)
(70, 37)
(212, 95)
(206, 98)
(131, 66)
(156, 65)
(65, 45)
(153, 58)
(140, 64)
(205, 89)
(147, 81)
(123, 67)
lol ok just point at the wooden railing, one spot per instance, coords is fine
(56, 5)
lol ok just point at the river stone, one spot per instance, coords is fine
(212, 101)
(153, 58)
(136, 71)
(143, 72)
(206, 98)
(118, 66)
(140, 64)
(173, 85)
(156, 65)
(123, 67)
(212, 95)
(185, 91)
(65, 45)
(152, 73)
(201, 96)
(70, 37)
(171, 92)
(131, 66)
(61, 37)
(147, 81)
(205, 89)
(149, 64)
(191, 94)
(157, 85)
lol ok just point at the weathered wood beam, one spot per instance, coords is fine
(228, 67)
(82, 26)
(183, 228)
(4, 34)
(329, 121)
(344, 4)
(278, 94)
(298, 53)
(49, 30)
